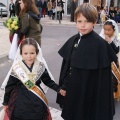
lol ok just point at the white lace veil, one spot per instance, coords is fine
(116, 33)
(19, 57)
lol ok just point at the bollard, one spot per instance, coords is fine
(1, 12)
(59, 18)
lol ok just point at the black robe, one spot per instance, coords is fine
(23, 104)
(86, 76)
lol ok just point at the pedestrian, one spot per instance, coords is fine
(110, 33)
(86, 71)
(73, 7)
(17, 7)
(102, 16)
(49, 6)
(29, 21)
(12, 8)
(44, 6)
(24, 97)
(39, 5)
(111, 13)
(60, 5)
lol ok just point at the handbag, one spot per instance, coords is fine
(59, 8)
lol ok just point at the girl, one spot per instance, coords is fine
(110, 34)
(24, 98)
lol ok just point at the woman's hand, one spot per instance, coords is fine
(62, 92)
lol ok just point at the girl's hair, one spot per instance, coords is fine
(29, 6)
(110, 23)
(88, 11)
(29, 41)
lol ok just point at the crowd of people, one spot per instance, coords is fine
(105, 13)
(88, 84)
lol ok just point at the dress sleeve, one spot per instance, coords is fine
(48, 82)
(63, 81)
(111, 53)
(114, 47)
(11, 85)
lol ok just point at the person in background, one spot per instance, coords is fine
(86, 71)
(44, 6)
(111, 13)
(49, 6)
(102, 16)
(116, 14)
(60, 3)
(73, 7)
(17, 7)
(110, 33)
(39, 5)
(29, 21)
(12, 8)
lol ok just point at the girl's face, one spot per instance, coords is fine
(21, 4)
(108, 30)
(29, 54)
(83, 25)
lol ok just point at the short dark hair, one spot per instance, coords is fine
(88, 11)
(110, 23)
(29, 41)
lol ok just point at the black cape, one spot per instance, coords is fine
(89, 85)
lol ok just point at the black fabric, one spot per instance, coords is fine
(73, 7)
(114, 47)
(89, 95)
(93, 52)
(87, 72)
(27, 104)
(34, 16)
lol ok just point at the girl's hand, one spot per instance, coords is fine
(62, 92)
(107, 38)
(5, 107)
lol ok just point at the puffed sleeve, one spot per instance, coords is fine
(11, 85)
(48, 82)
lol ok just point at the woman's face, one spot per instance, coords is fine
(21, 4)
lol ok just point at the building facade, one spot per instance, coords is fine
(102, 3)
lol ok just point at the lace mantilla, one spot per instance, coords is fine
(37, 71)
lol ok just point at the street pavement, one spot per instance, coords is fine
(5, 46)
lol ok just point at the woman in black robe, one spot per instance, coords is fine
(86, 73)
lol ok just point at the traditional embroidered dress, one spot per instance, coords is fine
(115, 43)
(24, 93)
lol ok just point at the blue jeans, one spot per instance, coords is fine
(40, 11)
(50, 13)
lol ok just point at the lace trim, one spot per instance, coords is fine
(37, 71)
